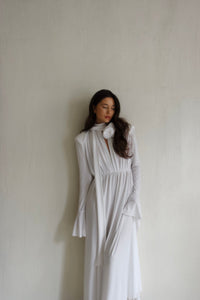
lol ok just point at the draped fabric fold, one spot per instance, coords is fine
(99, 206)
(108, 131)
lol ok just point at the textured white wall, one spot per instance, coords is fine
(54, 56)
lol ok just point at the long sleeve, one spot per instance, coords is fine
(132, 206)
(85, 177)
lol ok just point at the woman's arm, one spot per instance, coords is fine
(132, 206)
(85, 178)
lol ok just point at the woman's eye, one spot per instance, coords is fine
(107, 107)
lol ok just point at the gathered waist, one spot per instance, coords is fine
(127, 170)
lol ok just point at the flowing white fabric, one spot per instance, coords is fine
(108, 215)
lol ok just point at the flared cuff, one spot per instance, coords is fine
(133, 209)
(79, 228)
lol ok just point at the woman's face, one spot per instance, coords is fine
(105, 110)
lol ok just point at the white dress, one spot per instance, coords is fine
(109, 215)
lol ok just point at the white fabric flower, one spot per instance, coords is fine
(109, 131)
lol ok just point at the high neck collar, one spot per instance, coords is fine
(99, 126)
(108, 129)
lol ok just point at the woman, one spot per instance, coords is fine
(109, 210)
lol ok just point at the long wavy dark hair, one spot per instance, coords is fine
(122, 127)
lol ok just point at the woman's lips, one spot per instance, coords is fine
(107, 117)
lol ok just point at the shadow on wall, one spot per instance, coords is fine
(71, 284)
